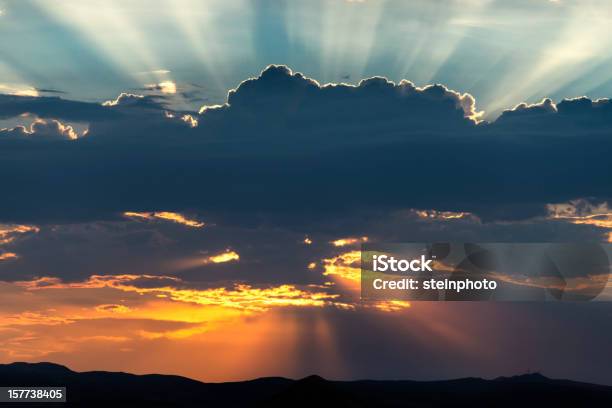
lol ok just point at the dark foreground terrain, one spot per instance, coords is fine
(106, 389)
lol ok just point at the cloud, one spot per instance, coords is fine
(50, 91)
(50, 107)
(42, 129)
(165, 87)
(165, 215)
(346, 266)
(348, 241)
(82, 327)
(18, 90)
(285, 144)
(8, 233)
(576, 115)
(154, 72)
(279, 96)
(112, 320)
(227, 256)
(113, 308)
(583, 212)
(5, 256)
(241, 296)
(134, 100)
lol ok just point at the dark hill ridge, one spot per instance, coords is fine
(109, 389)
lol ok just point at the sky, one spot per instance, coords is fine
(502, 54)
(187, 184)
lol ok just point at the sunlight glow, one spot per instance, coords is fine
(167, 216)
(8, 233)
(202, 26)
(165, 87)
(5, 256)
(18, 90)
(583, 213)
(343, 51)
(117, 29)
(193, 52)
(349, 241)
(223, 257)
(241, 297)
(579, 45)
(345, 266)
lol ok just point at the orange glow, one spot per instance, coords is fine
(5, 256)
(307, 241)
(392, 305)
(167, 216)
(223, 257)
(242, 296)
(598, 220)
(581, 212)
(345, 270)
(190, 120)
(113, 308)
(146, 323)
(348, 241)
(118, 320)
(346, 266)
(8, 232)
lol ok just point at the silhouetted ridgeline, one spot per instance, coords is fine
(106, 389)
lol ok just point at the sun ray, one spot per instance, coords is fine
(114, 28)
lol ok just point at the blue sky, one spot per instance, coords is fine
(502, 54)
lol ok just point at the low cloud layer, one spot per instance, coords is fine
(284, 145)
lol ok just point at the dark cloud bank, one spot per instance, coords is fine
(283, 144)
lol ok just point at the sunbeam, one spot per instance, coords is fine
(579, 45)
(117, 29)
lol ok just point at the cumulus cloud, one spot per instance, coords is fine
(45, 130)
(285, 144)
(280, 98)
(578, 115)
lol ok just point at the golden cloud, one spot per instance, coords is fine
(9, 232)
(582, 212)
(5, 256)
(165, 215)
(190, 120)
(345, 270)
(346, 266)
(241, 296)
(349, 241)
(223, 257)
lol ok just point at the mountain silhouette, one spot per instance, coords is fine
(117, 389)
